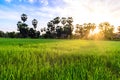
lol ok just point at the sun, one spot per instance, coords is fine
(95, 31)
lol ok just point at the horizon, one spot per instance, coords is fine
(94, 11)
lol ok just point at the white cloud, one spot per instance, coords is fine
(8, 1)
(81, 10)
(9, 15)
(44, 2)
(92, 11)
(31, 1)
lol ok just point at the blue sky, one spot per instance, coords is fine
(44, 10)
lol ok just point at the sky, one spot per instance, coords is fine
(82, 11)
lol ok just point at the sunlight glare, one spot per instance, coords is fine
(96, 31)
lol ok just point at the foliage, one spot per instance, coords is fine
(55, 31)
(25, 31)
(64, 31)
(47, 59)
(2, 34)
(105, 31)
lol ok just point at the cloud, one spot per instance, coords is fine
(81, 10)
(92, 10)
(9, 15)
(8, 1)
(44, 2)
(31, 1)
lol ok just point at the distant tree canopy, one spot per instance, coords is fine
(25, 31)
(56, 31)
(105, 31)
(63, 28)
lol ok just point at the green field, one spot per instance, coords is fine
(52, 59)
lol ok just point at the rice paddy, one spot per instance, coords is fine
(54, 59)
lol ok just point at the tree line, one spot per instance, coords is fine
(64, 31)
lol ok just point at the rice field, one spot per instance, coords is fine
(53, 59)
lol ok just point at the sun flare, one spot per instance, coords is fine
(95, 31)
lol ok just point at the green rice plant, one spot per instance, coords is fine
(52, 59)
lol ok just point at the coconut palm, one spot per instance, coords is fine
(34, 23)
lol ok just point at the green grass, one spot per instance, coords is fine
(52, 59)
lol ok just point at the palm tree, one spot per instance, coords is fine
(59, 31)
(119, 29)
(104, 26)
(32, 33)
(81, 30)
(34, 23)
(50, 25)
(23, 27)
(37, 34)
(77, 28)
(42, 30)
(19, 25)
(56, 20)
(69, 26)
(63, 20)
(2, 34)
(23, 17)
(70, 20)
(85, 24)
(86, 29)
(93, 26)
(89, 26)
(106, 29)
